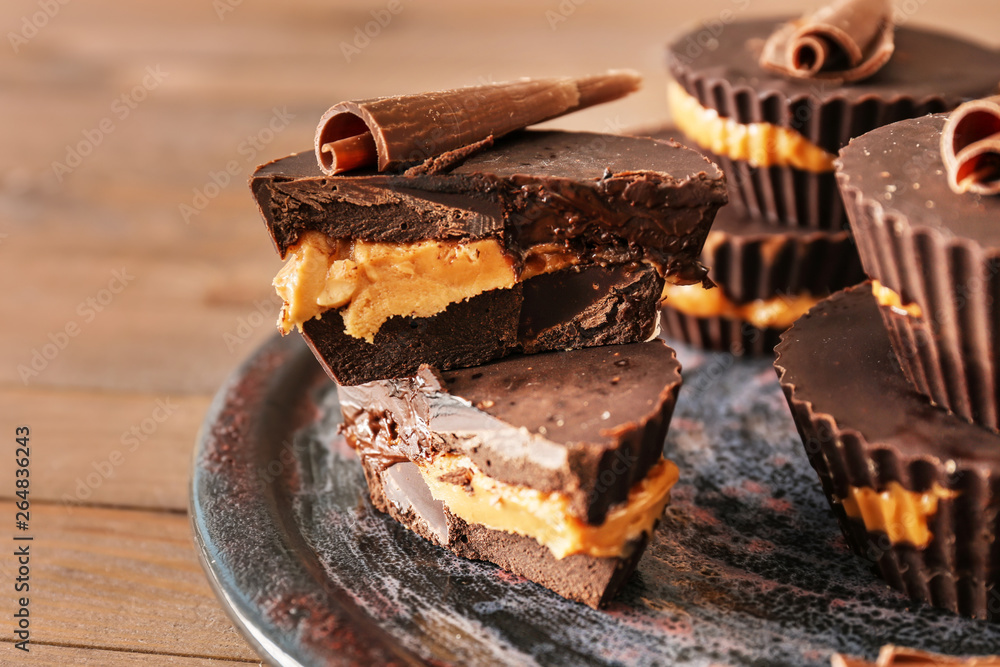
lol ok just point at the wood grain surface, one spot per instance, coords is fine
(137, 272)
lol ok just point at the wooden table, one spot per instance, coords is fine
(136, 270)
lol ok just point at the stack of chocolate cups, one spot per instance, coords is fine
(892, 383)
(775, 129)
(915, 481)
(486, 298)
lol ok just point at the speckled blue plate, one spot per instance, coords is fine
(748, 566)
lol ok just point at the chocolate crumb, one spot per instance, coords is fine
(460, 477)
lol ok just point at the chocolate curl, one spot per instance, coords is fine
(412, 128)
(970, 147)
(895, 656)
(848, 40)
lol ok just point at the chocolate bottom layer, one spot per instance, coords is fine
(957, 382)
(867, 431)
(400, 492)
(572, 308)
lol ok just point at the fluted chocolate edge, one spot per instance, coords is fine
(786, 196)
(718, 334)
(947, 573)
(829, 124)
(752, 266)
(949, 354)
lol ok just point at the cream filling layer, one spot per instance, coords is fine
(760, 144)
(545, 516)
(375, 281)
(898, 512)
(891, 299)
(778, 312)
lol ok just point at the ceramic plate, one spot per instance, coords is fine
(747, 567)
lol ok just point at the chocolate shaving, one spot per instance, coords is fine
(895, 656)
(459, 477)
(848, 40)
(448, 161)
(970, 147)
(394, 131)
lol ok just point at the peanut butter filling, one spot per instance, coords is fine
(890, 299)
(760, 144)
(778, 312)
(375, 281)
(545, 516)
(899, 513)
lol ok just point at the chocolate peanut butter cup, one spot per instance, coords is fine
(548, 465)
(452, 264)
(765, 279)
(776, 136)
(936, 256)
(915, 489)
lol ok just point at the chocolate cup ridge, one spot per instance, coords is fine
(749, 259)
(718, 334)
(930, 72)
(785, 196)
(834, 365)
(936, 249)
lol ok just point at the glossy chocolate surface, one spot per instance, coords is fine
(864, 426)
(929, 72)
(900, 167)
(838, 359)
